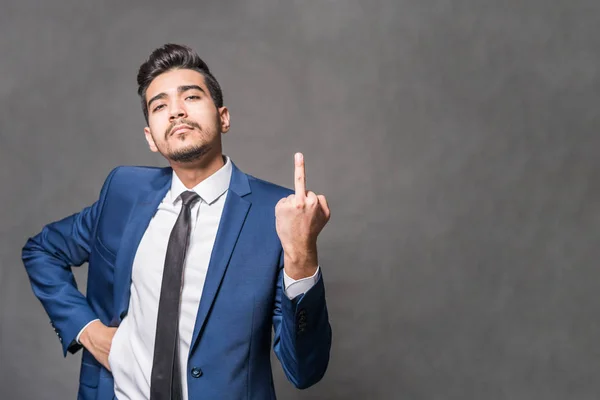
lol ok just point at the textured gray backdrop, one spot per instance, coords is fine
(456, 141)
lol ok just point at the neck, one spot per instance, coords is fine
(193, 173)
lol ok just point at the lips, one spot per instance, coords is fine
(180, 129)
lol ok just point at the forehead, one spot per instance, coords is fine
(169, 81)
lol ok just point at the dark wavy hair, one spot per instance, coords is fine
(175, 56)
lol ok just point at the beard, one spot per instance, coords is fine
(189, 154)
(192, 152)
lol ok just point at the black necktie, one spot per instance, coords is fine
(165, 383)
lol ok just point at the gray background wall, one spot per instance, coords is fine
(456, 141)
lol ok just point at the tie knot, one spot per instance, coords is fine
(189, 197)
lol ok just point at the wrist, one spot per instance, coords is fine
(300, 265)
(300, 260)
(85, 336)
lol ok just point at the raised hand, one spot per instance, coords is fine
(300, 218)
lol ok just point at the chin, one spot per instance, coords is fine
(189, 153)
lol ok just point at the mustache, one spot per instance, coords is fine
(182, 121)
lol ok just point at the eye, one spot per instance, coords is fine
(193, 97)
(158, 107)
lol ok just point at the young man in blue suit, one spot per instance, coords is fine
(191, 267)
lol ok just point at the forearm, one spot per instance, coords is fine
(48, 258)
(303, 336)
(53, 283)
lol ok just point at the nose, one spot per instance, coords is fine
(177, 111)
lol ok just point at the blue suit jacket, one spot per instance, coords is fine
(241, 301)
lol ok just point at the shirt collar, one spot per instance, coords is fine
(209, 189)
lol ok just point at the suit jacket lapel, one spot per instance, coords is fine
(141, 213)
(232, 220)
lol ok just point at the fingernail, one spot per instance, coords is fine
(298, 157)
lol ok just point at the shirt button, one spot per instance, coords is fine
(196, 372)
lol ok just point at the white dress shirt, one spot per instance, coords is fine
(132, 348)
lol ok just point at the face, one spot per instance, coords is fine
(184, 125)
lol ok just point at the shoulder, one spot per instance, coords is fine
(129, 178)
(128, 172)
(139, 174)
(267, 191)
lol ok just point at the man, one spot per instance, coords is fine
(189, 266)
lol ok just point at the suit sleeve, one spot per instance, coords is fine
(302, 340)
(48, 258)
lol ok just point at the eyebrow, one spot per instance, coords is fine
(180, 89)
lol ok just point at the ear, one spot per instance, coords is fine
(150, 140)
(224, 117)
